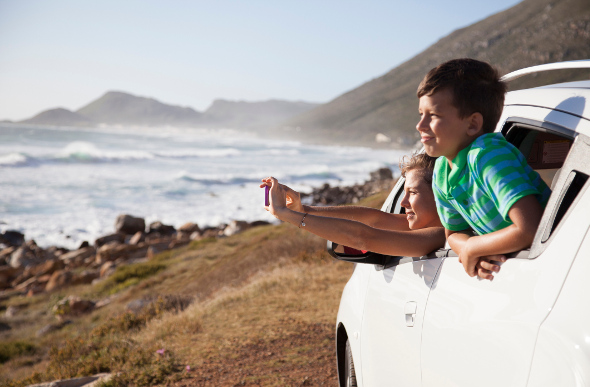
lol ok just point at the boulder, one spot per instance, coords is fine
(77, 257)
(161, 229)
(137, 238)
(235, 227)
(107, 269)
(47, 267)
(7, 275)
(23, 257)
(186, 230)
(73, 306)
(59, 280)
(114, 251)
(5, 255)
(129, 225)
(12, 238)
(116, 237)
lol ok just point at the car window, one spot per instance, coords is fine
(563, 162)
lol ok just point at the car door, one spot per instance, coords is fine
(395, 301)
(479, 332)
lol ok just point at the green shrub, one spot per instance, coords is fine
(12, 349)
(129, 275)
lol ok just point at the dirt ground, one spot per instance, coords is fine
(271, 362)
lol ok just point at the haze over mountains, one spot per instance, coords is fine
(532, 32)
(118, 108)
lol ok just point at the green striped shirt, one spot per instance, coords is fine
(487, 178)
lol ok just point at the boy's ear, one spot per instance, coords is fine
(475, 124)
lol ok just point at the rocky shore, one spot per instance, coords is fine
(27, 269)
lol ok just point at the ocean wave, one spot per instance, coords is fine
(196, 153)
(81, 151)
(213, 180)
(15, 160)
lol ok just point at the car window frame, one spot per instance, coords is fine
(577, 160)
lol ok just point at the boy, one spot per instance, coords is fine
(481, 182)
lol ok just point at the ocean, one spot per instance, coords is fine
(62, 186)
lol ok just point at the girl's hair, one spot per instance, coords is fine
(418, 161)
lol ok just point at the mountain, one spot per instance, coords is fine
(59, 116)
(125, 109)
(118, 108)
(253, 115)
(530, 33)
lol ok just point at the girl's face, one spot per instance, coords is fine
(419, 202)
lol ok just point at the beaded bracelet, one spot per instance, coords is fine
(302, 224)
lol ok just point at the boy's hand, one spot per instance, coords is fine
(489, 265)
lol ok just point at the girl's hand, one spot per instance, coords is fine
(277, 196)
(293, 198)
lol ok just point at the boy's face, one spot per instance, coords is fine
(443, 132)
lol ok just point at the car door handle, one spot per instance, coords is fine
(410, 311)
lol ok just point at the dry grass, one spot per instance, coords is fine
(263, 308)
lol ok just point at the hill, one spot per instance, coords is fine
(125, 109)
(530, 33)
(59, 116)
(119, 108)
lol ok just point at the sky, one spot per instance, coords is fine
(67, 53)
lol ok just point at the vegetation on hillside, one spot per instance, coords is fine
(530, 33)
(257, 308)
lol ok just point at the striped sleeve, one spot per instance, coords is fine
(505, 175)
(450, 218)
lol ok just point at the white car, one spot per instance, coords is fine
(407, 321)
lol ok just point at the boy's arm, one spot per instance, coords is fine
(525, 214)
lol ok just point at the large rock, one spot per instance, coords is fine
(73, 306)
(161, 229)
(129, 225)
(7, 275)
(235, 227)
(114, 251)
(137, 238)
(77, 257)
(116, 237)
(5, 255)
(59, 280)
(23, 257)
(47, 267)
(12, 238)
(186, 230)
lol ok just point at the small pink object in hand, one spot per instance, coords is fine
(266, 191)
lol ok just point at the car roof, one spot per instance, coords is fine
(570, 97)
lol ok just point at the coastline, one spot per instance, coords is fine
(27, 269)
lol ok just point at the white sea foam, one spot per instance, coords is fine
(64, 186)
(87, 152)
(13, 159)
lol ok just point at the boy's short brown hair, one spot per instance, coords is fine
(475, 86)
(418, 161)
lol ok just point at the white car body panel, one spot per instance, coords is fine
(565, 334)
(483, 323)
(391, 329)
(530, 326)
